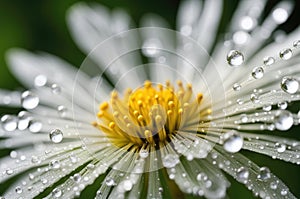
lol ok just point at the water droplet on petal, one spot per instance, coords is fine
(55, 89)
(267, 107)
(54, 164)
(254, 98)
(24, 119)
(35, 126)
(269, 61)
(235, 58)
(247, 23)
(56, 193)
(283, 120)
(170, 160)
(62, 111)
(109, 181)
(9, 122)
(257, 72)
(289, 85)
(280, 15)
(282, 105)
(280, 148)
(286, 54)
(296, 43)
(264, 174)
(18, 190)
(9, 171)
(274, 185)
(232, 141)
(236, 87)
(127, 185)
(242, 175)
(40, 80)
(77, 177)
(144, 153)
(29, 100)
(56, 136)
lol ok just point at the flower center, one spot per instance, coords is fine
(150, 115)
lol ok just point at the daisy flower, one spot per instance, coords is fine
(153, 112)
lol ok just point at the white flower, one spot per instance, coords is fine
(172, 119)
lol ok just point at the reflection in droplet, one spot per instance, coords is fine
(56, 136)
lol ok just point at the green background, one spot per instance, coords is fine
(40, 26)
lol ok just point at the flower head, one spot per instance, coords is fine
(152, 112)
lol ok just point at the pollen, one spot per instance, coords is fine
(150, 115)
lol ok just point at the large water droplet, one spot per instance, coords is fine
(242, 175)
(286, 54)
(235, 58)
(289, 85)
(264, 174)
(9, 122)
(282, 105)
(56, 193)
(280, 147)
(269, 61)
(280, 15)
(24, 119)
(232, 141)
(170, 160)
(257, 72)
(56, 136)
(77, 177)
(40, 80)
(247, 23)
(35, 126)
(283, 120)
(29, 100)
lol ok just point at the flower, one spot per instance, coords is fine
(152, 114)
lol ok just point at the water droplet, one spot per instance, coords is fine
(280, 15)
(40, 80)
(283, 120)
(283, 192)
(144, 153)
(236, 87)
(24, 119)
(151, 47)
(55, 89)
(289, 85)
(77, 177)
(13, 154)
(127, 185)
(264, 174)
(267, 107)
(242, 175)
(56, 193)
(240, 37)
(201, 177)
(29, 100)
(56, 136)
(9, 122)
(62, 111)
(282, 105)
(170, 160)
(19, 190)
(257, 72)
(274, 185)
(244, 118)
(269, 61)
(254, 98)
(9, 171)
(296, 43)
(280, 148)
(286, 54)
(35, 126)
(247, 23)
(54, 164)
(232, 141)
(109, 181)
(235, 58)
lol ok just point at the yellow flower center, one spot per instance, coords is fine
(150, 115)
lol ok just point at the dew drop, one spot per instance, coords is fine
(283, 120)
(257, 72)
(281, 148)
(264, 174)
(40, 80)
(54, 164)
(283, 192)
(35, 126)
(9, 122)
(242, 175)
(9, 171)
(62, 111)
(77, 177)
(254, 98)
(56, 193)
(143, 153)
(236, 87)
(296, 43)
(55, 89)
(289, 85)
(232, 141)
(235, 58)
(18, 190)
(269, 61)
(201, 177)
(274, 185)
(127, 185)
(286, 54)
(56, 136)
(23, 121)
(282, 105)
(280, 15)
(29, 100)
(244, 118)
(267, 107)
(170, 160)
(109, 181)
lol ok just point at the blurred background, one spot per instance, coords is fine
(41, 26)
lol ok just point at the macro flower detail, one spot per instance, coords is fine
(156, 113)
